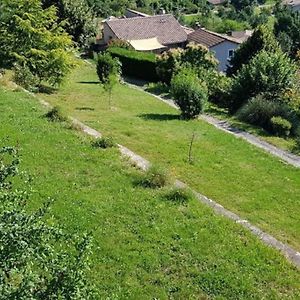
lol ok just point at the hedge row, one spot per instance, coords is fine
(136, 64)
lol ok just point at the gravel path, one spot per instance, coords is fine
(286, 156)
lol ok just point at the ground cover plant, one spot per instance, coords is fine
(241, 177)
(144, 246)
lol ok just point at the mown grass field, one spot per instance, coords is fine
(145, 247)
(236, 174)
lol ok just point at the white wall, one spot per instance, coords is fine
(222, 53)
(108, 34)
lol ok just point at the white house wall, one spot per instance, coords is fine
(108, 34)
(222, 53)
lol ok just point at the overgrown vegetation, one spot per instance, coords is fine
(104, 142)
(38, 260)
(136, 64)
(154, 177)
(56, 115)
(32, 39)
(77, 19)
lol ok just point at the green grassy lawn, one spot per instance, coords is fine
(145, 247)
(236, 174)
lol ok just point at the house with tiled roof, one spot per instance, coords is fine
(146, 33)
(222, 45)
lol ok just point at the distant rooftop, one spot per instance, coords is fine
(210, 38)
(164, 27)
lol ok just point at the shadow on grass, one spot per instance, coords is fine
(88, 82)
(160, 117)
(84, 108)
(45, 89)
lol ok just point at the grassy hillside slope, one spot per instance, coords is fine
(145, 246)
(236, 174)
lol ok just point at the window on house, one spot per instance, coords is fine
(230, 53)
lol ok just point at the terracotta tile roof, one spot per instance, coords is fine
(209, 38)
(205, 38)
(164, 27)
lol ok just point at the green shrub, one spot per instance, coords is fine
(259, 111)
(55, 115)
(178, 195)
(116, 43)
(24, 77)
(194, 56)
(280, 126)
(268, 73)
(107, 66)
(136, 64)
(218, 84)
(155, 177)
(104, 142)
(198, 56)
(167, 63)
(189, 92)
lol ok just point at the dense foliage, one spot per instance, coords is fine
(287, 29)
(37, 260)
(190, 94)
(262, 39)
(77, 18)
(268, 73)
(136, 64)
(106, 8)
(194, 56)
(31, 38)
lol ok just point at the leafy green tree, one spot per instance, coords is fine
(109, 71)
(262, 39)
(37, 260)
(194, 56)
(269, 73)
(77, 17)
(168, 63)
(198, 56)
(287, 29)
(31, 37)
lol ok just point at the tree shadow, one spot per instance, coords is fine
(160, 117)
(85, 108)
(88, 82)
(45, 89)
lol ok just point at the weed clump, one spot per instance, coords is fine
(155, 177)
(55, 115)
(104, 143)
(178, 195)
